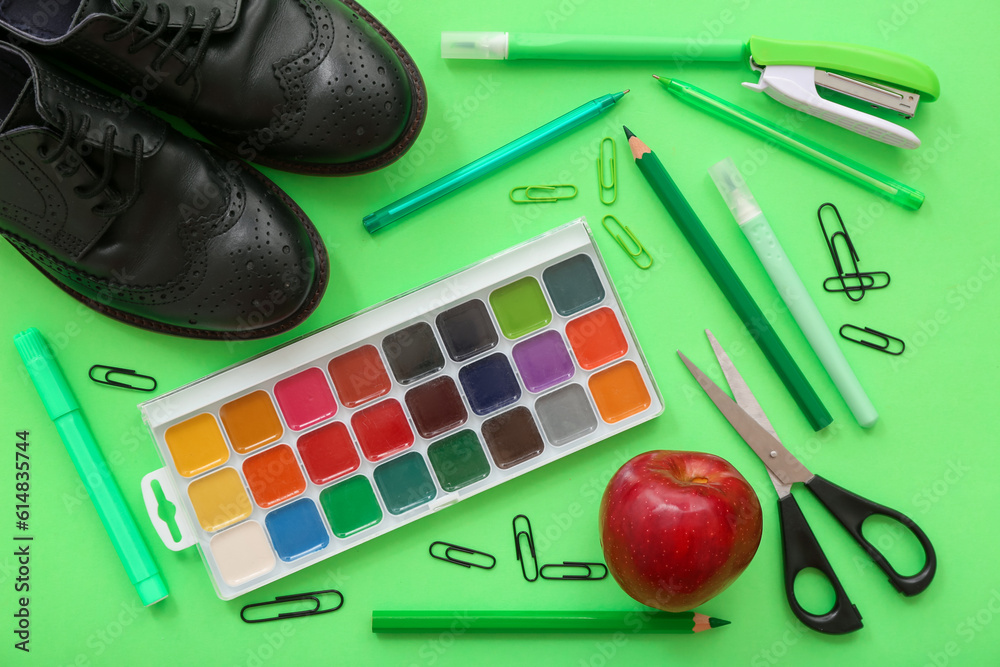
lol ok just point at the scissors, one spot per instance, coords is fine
(801, 550)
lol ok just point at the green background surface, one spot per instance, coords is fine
(933, 455)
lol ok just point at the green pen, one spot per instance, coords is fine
(489, 163)
(64, 410)
(868, 178)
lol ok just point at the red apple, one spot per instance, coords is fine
(677, 528)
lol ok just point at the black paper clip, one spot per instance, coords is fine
(884, 341)
(576, 565)
(285, 599)
(856, 282)
(105, 373)
(448, 558)
(531, 547)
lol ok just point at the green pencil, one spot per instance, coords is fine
(511, 622)
(729, 283)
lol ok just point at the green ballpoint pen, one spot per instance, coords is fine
(868, 178)
(63, 409)
(490, 162)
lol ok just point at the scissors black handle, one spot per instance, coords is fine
(802, 551)
(851, 511)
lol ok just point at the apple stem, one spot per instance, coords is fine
(700, 480)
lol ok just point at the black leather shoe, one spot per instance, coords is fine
(310, 86)
(142, 223)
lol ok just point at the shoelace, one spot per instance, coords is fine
(137, 14)
(69, 133)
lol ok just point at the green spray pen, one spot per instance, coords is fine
(64, 410)
(758, 231)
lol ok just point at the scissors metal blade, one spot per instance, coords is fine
(741, 392)
(746, 400)
(768, 448)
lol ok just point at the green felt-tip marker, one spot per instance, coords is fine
(64, 410)
(536, 621)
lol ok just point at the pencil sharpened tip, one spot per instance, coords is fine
(628, 133)
(717, 622)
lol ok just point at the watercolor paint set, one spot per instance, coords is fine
(401, 410)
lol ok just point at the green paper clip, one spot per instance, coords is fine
(550, 189)
(602, 186)
(640, 250)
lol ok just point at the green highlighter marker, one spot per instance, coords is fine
(758, 231)
(64, 411)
